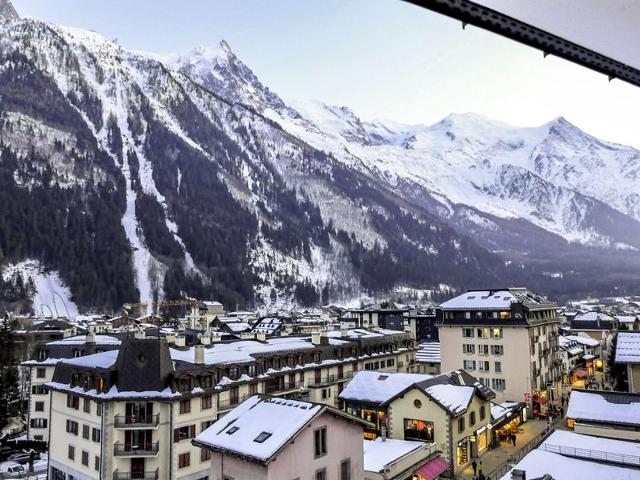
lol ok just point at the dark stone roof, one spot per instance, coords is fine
(143, 364)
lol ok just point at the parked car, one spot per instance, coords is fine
(15, 470)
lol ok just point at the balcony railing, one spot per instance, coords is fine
(136, 421)
(153, 475)
(328, 379)
(232, 402)
(136, 450)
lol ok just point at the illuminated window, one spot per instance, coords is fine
(505, 315)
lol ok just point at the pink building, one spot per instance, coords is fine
(272, 438)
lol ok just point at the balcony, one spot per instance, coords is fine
(330, 379)
(232, 402)
(153, 475)
(149, 449)
(136, 421)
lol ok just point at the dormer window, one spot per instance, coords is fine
(42, 355)
(77, 353)
(262, 437)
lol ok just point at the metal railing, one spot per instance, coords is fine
(132, 421)
(136, 450)
(593, 454)
(152, 475)
(517, 456)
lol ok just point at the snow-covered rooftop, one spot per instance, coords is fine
(97, 360)
(593, 316)
(82, 339)
(585, 445)
(379, 387)
(604, 406)
(569, 346)
(584, 340)
(259, 427)
(626, 318)
(481, 299)
(378, 453)
(628, 347)
(455, 397)
(428, 352)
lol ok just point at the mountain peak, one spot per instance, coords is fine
(225, 47)
(7, 12)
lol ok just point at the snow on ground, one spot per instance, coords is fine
(52, 297)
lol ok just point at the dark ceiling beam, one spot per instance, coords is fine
(470, 13)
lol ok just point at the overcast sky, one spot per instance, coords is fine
(382, 58)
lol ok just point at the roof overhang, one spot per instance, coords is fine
(602, 37)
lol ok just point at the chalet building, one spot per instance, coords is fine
(604, 413)
(40, 371)
(451, 410)
(423, 324)
(627, 354)
(508, 338)
(147, 401)
(268, 438)
(392, 459)
(202, 314)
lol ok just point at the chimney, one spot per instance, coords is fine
(90, 338)
(261, 336)
(344, 333)
(198, 354)
(205, 340)
(316, 338)
(140, 334)
(180, 341)
(518, 475)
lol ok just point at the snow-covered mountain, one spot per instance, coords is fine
(131, 177)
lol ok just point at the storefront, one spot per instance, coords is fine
(508, 422)
(375, 415)
(463, 452)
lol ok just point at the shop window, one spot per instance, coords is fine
(420, 430)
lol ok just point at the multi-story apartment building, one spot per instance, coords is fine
(40, 371)
(203, 314)
(508, 338)
(133, 413)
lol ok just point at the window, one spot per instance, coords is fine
(41, 372)
(253, 387)
(38, 423)
(496, 332)
(483, 333)
(85, 432)
(71, 452)
(320, 442)
(461, 425)
(483, 412)
(321, 474)
(185, 406)
(184, 433)
(206, 402)
(498, 367)
(99, 409)
(505, 315)
(39, 406)
(472, 419)
(184, 459)
(72, 427)
(420, 430)
(467, 332)
(205, 425)
(497, 350)
(96, 463)
(468, 348)
(73, 401)
(96, 435)
(39, 390)
(345, 469)
(467, 315)
(85, 458)
(483, 366)
(498, 383)
(326, 393)
(390, 362)
(483, 349)
(86, 407)
(262, 437)
(205, 454)
(469, 364)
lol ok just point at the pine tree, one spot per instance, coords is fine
(9, 394)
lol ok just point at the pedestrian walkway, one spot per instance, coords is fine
(498, 456)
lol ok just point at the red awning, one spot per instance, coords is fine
(580, 373)
(432, 468)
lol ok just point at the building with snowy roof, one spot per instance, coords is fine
(595, 324)
(627, 353)
(451, 410)
(508, 338)
(567, 455)
(154, 399)
(428, 358)
(393, 459)
(274, 438)
(605, 413)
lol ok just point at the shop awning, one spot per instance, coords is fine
(581, 373)
(433, 468)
